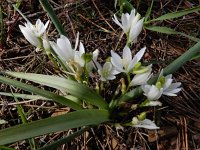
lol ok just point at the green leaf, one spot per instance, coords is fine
(196, 57)
(36, 97)
(24, 96)
(167, 30)
(74, 88)
(148, 13)
(45, 4)
(44, 93)
(64, 140)
(177, 14)
(16, 8)
(23, 117)
(124, 4)
(6, 148)
(59, 123)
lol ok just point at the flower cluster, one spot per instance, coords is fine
(81, 64)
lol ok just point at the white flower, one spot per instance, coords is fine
(33, 33)
(78, 55)
(131, 25)
(93, 62)
(63, 48)
(108, 72)
(146, 123)
(152, 92)
(163, 86)
(141, 78)
(126, 63)
(170, 88)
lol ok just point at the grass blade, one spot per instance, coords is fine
(167, 30)
(24, 120)
(47, 94)
(59, 123)
(74, 88)
(16, 8)
(124, 4)
(45, 4)
(176, 14)
(6, 148)
(64, 140)
(24, 96)
(148, 13)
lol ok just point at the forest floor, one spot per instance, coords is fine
(178, 117)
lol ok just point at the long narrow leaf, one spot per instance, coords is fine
(76, 89)
(124, 4)
(148, 13)
(24, 96)
(37, 97)
(47, 94)
(6, 148)
(177, 14)
(52, 15)
(59, 123)
(24, 120)
(64, 140)
(167, 30)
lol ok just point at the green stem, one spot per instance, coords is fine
(52, 15)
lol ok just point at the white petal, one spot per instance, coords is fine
(148, 124)
(140, 79)
(172, 92)
(125, 22)
(77, 40)
(58, 51)
(65, 46)
(45, 42)
(105, 72)
(81, 48)
(132, 14)
(135, 20)
(140, 54)
(44, 27)
(114, 71)
(161, 74)
(111, 77)
(146, 88)
(107, 66)
(127, 56)
(154, 103)
(78, 58)
(95, 55)
(136, 58)
(135, 30)
(117, 21)
(154, 93)
(30, 36)
(98, 65)
(116, 61)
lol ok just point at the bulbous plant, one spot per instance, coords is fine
(90, 106)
